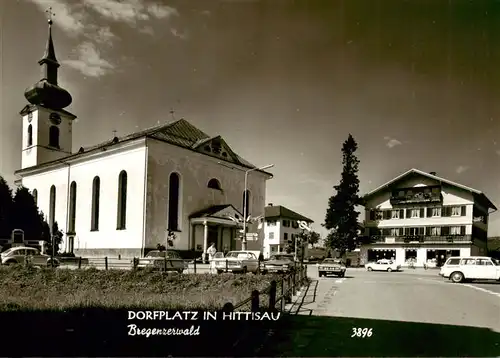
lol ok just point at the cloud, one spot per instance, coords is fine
(148, 30)
(89, 61)
(74, 18)
(69, 17)
(176, 33)
(129, 11)
(162, 11)
(103, 35)
(461, 168)
(392, 142)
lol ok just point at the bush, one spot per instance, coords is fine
(48, 289)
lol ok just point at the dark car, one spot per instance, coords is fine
(279, 263)
(162, 260)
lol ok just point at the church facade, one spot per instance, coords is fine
(172, 184)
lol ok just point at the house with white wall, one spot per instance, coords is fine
(422, 216)
(172, 183)
(280, 228)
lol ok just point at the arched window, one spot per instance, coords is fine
(30, 135)
(35, 196)
(52, 206)
(214, 184)
(173, 202)
(122, 201)
(54, 137)
(96, 192)
(246, 203)
(72, 207)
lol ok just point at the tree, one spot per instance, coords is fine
(6, 214)
(341, 215)
(313, 238)
(25, 214)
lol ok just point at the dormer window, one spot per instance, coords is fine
(214, 184)
(54, 137)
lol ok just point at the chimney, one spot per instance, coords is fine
(433, 173)
(270, 204)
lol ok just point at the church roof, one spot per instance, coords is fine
(180, 133)
(212, 211)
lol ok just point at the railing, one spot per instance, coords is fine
(277, 294)
(389, 239)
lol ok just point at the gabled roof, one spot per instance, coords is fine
(215, 211)
(180, 133)
(414, 171)
(272, 211)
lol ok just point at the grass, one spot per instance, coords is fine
(28, 288)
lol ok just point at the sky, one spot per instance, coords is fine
(417, 83)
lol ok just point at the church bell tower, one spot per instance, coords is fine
(47, 127)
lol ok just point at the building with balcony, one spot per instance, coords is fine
(424, 217)
(280, 228)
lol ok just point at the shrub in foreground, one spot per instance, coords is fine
(47, 289)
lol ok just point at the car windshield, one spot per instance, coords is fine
(240, 255)
(281, 257)
(332, 261)
(8, 251)
(496, 262)
(167, 254)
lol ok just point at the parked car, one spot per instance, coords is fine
(21, 254)
(460, 269)
(279, 263)
(157, 260)
(383, 265)
(331, 266)
(238, 262)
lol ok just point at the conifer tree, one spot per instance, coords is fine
(341, 215)
(6, 224)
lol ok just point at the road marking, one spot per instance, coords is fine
(482, 290)
(340, 281)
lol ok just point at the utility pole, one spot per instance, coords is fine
(245, 199)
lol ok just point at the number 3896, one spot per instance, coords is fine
(361, 332)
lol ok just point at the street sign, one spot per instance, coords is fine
(253, 236)
(303, 225)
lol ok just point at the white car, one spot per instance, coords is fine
(383, 265)
(460, 269)
(238, 262)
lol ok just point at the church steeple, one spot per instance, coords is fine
(49, 62)
(46, 92)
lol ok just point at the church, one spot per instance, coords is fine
(172, 184)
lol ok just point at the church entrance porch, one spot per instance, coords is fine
(216, 225)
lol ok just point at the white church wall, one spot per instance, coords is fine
(195, 170)
(107, 241)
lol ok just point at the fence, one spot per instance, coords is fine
(277, 294)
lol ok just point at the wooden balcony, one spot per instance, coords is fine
(428, 194)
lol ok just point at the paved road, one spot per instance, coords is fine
(411, 313)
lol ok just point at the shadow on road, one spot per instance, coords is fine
(321, 336)
(486, 282)
(308, 297)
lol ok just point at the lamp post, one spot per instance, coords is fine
(245, 198)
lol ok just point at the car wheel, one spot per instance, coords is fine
(457, 277)
(219, 271)
(180, 271)
(320, 274)
(264, 272)
(369, 269)
(244, 271)
(342, 275)
(10, 263)
(389, 270)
